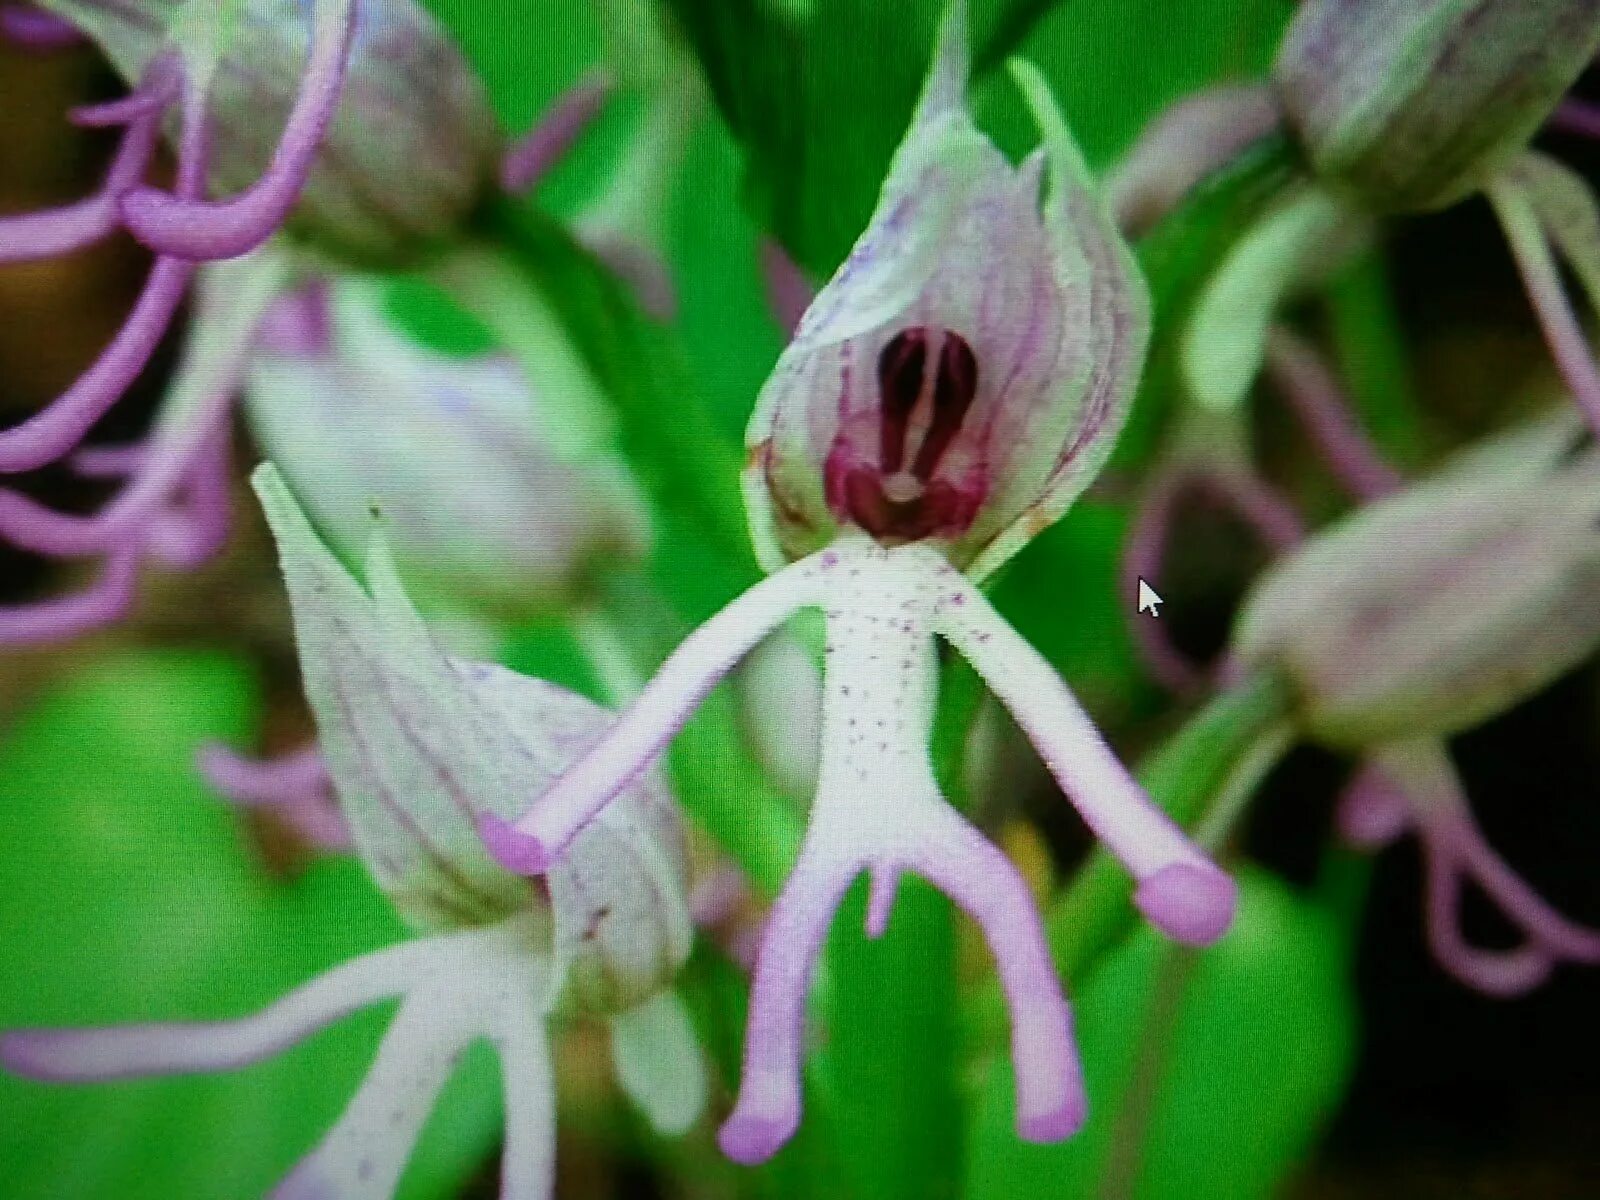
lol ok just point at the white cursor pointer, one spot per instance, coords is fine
(1149, 600)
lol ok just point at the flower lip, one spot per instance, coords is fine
(927, 382)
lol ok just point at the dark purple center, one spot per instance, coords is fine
(896, 500)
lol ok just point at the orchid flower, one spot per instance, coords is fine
(419, 744)
(946, 396)
(261, 328)
(1427, 613)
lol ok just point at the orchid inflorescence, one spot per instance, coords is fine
(943, 400)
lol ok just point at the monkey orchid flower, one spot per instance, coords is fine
(1428, 612)
(947, 394)
(418, 744)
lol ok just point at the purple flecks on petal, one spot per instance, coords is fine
(188, 228)
(532, 156)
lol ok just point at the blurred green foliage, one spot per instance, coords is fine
(132, 894)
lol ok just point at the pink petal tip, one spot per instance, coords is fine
(1190, 903)
(513, 849)
(750, 1141)
(1055, 1126)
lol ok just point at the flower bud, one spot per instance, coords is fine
(966, 371)
(479, 510)
(420, 745)
(1414, 104)
(1443, 604)
(412, 148)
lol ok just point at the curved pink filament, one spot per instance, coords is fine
(54, 231)
(190, 228)
(104, 602)
(1312, 391)
(553, 135)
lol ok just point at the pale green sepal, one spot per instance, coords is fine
(659, 1063)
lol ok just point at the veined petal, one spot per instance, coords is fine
(490, 517)
(1180, 890)
(659, 1063)
(964, 371)
(411, 750)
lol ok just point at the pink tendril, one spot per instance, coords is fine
(547, 143)
(295, 787)
(189, 227)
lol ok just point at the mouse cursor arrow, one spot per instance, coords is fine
(1149, 600)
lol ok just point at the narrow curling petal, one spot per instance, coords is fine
(104, 602)
(532, 157)
(195, 530)
(1144, 557)
(1179, 889)
(1307, 382)
(177, 1048)
(1565, 337)
(1511, 972)
(193, 229)
(1372, 810)
(533, 842)
(57, 231)
(295, 787)
(54, 431)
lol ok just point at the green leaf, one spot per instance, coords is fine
(1238, 1080)
(132, 894)
(891, 1051)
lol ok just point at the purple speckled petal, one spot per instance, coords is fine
(189, 228)
(104, 602)
(533, 842)
(34, 29)
(56, 429)
(1180, 890)
(1308, 383)
(553, 135)
(177, 1048)
(295, 787)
